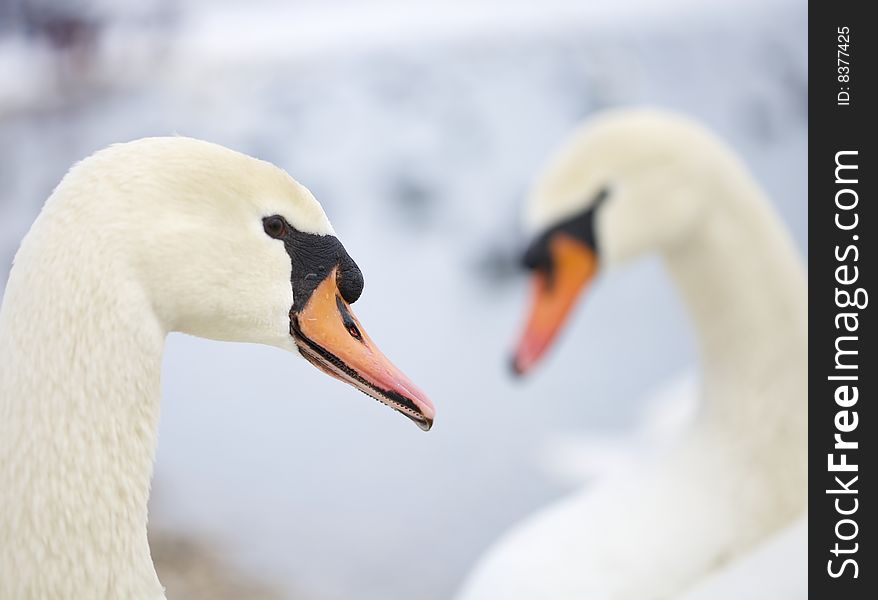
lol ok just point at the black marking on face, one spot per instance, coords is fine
(313, 258)
(538, 256)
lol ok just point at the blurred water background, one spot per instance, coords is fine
(419, 126)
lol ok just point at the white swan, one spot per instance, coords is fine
(628, 182)
(144, 238)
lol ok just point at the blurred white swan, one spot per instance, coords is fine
(141, 239)
(775, 570)
(626, 183)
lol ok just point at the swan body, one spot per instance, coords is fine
(776, 569)
(629, 182)
(141, 239)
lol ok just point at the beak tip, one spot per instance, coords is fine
(423, 421)
(515, 367)
(521, 363)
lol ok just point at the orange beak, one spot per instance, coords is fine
(554, 293)
(331, 338)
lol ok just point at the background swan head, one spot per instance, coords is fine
(228, 247)
(625, 183)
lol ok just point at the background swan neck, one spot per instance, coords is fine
(744, 284)
(79, 404)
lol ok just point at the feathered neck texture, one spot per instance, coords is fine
(741, 277)
(744, 284)
(80, 358)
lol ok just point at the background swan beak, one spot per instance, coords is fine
(330, 337)
(554, 291)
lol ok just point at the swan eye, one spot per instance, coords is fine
(274, 226)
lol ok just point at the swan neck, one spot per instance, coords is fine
(79, 406)
(745, 287)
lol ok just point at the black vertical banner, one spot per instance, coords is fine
(843, 561)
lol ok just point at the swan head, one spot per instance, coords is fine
(232, 248)
(627, 182)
